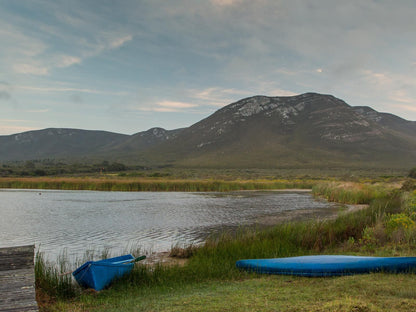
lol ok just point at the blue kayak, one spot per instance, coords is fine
(328, 265)
(100, 274)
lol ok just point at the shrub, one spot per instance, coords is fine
(412, 173)
(409, 185)
(399, 220)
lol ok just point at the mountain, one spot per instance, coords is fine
(56, 143)
(74, 144)
(309, 130)
(305, 131)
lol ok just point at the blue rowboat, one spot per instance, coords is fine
(100, 274)
(328, 265)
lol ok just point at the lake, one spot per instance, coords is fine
(78, 221)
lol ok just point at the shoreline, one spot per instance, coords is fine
(164, 257)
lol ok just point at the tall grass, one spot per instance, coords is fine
(349, 192)
(50, 280)
(147, 184)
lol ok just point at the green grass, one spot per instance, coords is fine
(350, 192)
(374, 292)
(50, 280)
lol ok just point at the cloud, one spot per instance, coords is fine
(61, 39)
(408, 107)
(30, 69)
(118, 42)
(68, 89)
(67, 60)
(281, 92)
(8, 130)
(225, 2)
(216, 96)
(175, 105)
(12, 126)
(37, 111)
(169, 107)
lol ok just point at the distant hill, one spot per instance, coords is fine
(56, 143)
(305, 131)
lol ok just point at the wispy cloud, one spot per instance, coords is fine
(166, 106)
(48, 45)
(120, 41)
(216, 96)
(69, 89)
(67, 60)
(409, 108)
(175, 105)
(7, 130)
(12, 126)
(225, 2)
(37, 110)
(30, 69)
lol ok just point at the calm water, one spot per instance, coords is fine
(78, 221)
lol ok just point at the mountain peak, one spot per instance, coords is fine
(283, 106)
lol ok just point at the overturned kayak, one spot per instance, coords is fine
(328, 265)
(99, 274)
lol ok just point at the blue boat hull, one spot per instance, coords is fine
(328, 265)
(100, 274)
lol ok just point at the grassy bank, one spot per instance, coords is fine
(364, 293)
(150, 184)
(210, 282)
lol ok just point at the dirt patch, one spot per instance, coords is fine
(163, 258)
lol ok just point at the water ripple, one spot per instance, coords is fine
(78, 221)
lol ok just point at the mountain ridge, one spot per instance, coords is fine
(306, 130)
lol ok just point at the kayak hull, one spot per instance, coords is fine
(100, 274)
(328, 265)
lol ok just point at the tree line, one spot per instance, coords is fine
(50, 168)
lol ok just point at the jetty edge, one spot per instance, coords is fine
(17, 279)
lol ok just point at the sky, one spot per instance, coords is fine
(129, 65)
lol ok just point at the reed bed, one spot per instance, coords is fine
(350, 192)
(151, 185)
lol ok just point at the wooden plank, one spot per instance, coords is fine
(17, 279)
(16, 257)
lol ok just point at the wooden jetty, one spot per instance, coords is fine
(17, 279)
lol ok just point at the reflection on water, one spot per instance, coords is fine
(153, 221)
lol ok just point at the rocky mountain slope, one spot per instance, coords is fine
(307, 130)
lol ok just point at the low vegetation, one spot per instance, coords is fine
(149, 184)
(47, 167)
(209, 280)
